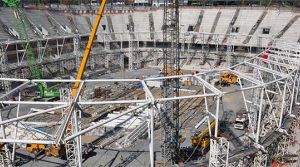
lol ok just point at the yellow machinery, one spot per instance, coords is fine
(35, 148)
(53, 150)
(88, 47)
(201, 138)
(169, 72)
(228, 78)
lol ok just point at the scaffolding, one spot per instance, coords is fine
(171, 62)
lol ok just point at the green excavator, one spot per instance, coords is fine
(43, 91)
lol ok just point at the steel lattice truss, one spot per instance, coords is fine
(269, 87)
(170, 109)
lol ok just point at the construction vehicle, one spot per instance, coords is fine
(228, 78)
(55, 151)
(60, 151)
(169, 72)
(43, 91)
(49, 150)
(201, 139)
(241, 120)
(35, 148)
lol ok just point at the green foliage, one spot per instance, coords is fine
(12, 3)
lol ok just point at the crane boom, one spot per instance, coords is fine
(88, 47)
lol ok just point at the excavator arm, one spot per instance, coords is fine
(88, 47)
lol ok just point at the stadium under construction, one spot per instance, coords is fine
(160, 85)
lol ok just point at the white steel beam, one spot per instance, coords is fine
(288, 66)
(247, 77)
(103, 122)
(70, 111)
(31, 115)
(185, 97)
(266, 69)
(27, 141)
(259, 116)
(18, 88)
(208, 86)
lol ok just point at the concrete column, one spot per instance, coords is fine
(122, 62)
(76, 52)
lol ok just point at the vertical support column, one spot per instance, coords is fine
(259, 44)
(282, 109)
(170, 87)
(229, 52)
(130, 55)
(259, 116)
(6, 157)
(297, 86)
(151, 144)
(58, 53)
(188, 53)
(156, 57)
(122, 62)
(3, 68)
(16, 130)
(219, 151)
(253, 109)
(293, 94)
(92, 62)
(73, 147)
(78, 139)
(217, 116)
(107, 49)
(229, 55)
(76, 52)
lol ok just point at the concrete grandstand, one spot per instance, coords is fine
(129, 44)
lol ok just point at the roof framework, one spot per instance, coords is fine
(273, 83)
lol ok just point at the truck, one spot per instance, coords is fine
(241, 120)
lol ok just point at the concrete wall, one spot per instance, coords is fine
(276, 20)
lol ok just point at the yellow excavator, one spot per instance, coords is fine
(228, 78)
(55, 150)
(51, 150)
(169, 72)
(201, 139)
